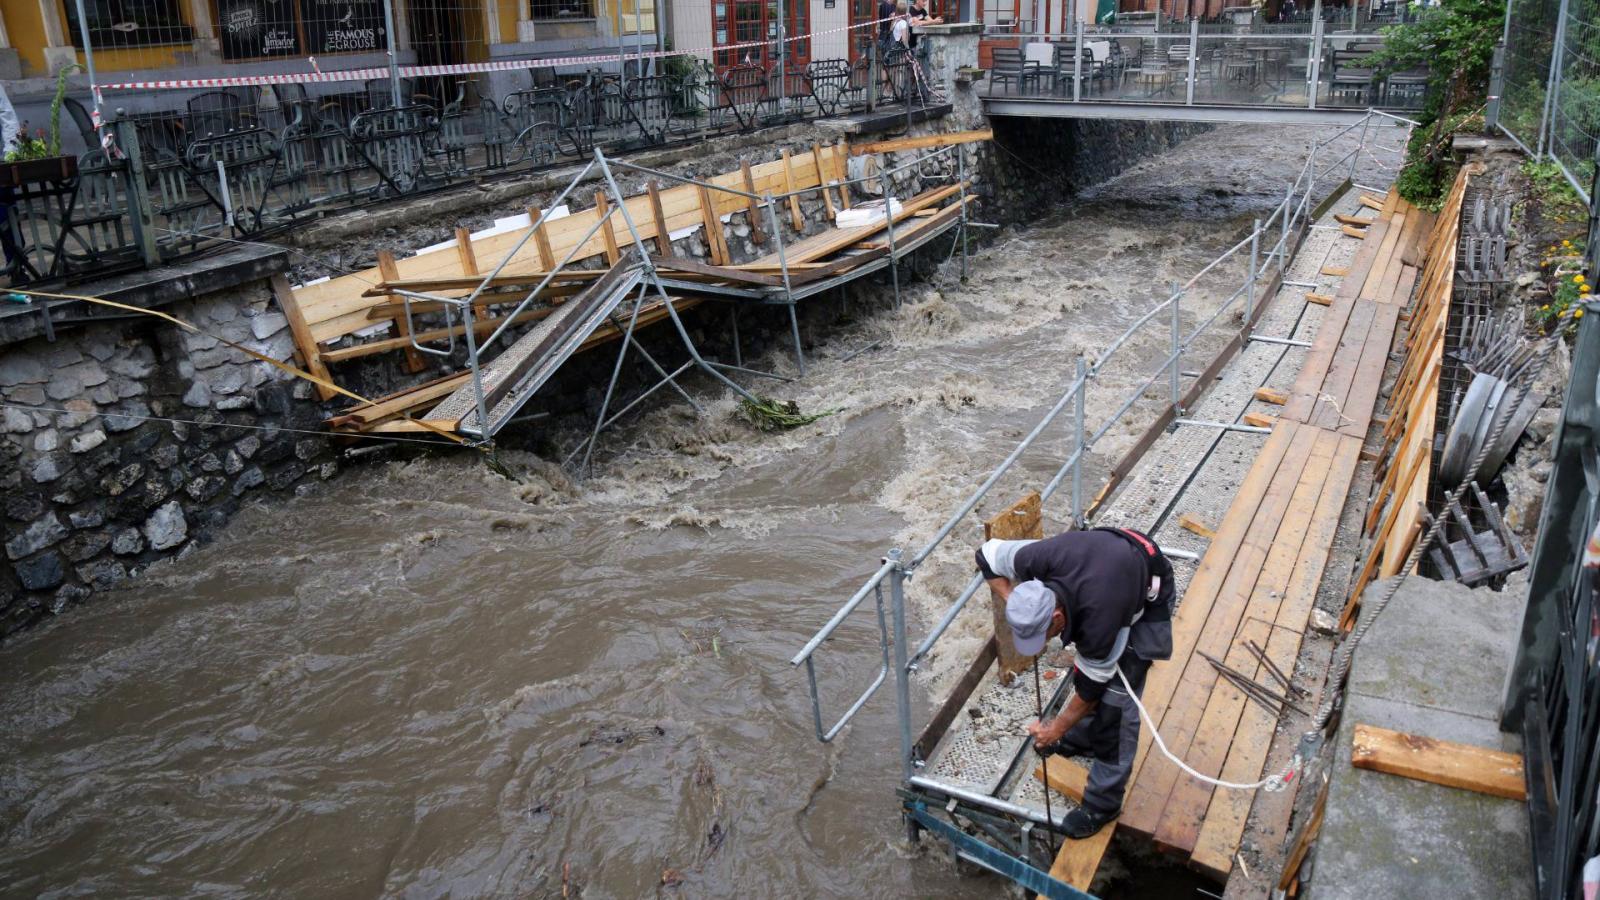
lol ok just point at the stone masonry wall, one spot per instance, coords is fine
(94, 493)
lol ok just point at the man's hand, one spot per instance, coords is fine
(1046, 733)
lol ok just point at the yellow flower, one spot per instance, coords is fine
(1577, 279)
(1545, 308)
(1578, 314)
(1583, 289)
(1566, 243)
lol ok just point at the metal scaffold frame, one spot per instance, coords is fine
(1011, 826)
(643, 284)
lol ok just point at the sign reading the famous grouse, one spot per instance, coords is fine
(252, 29)
(344, 26)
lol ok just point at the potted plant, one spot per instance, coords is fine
(37, 157)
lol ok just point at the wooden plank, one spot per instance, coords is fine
(1301, 595)
(541, 238)
(480, 327)
(1224, 822)
(1303, 396)
(834, 240)
(1352, 231)
(822, 181)
(1329, 409)
(398, 402)
(386, 267)
(310, 351)
(684, 264)
(1076, 861)
(1336, 271)
(1371, 202)
(1193, 524)
(753, 207)
(715, 248)
(1302, 843)
(602, 206)
(1446, 763)
(795, 219)
(1020, 521)
(1216, 732)
(1363, 394)
(469, 260)
(1259, 420)
(1319, 299)
(663, 235)
(1182, 703)
(1357, 221)
(1271, 395)
(927, 140)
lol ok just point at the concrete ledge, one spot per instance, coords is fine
(1433, 665)
(146, 289)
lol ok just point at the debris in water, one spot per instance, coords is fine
(622, 736)
(492, 460)
(767, 414)
(715, 838)
(671, 878)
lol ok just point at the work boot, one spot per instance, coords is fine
(1066, 748)
(1082, 823)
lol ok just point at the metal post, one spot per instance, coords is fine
(1194, 55)
(1077, 63)
(788, 295)
(872, 73)
(1077, 441)
(472, 363)
(1314, 69)
(1547, 115)
(88, 56)
(1497, 83)
(961, 182)
(1177, 351)
(137, 191)
(783, 82)
(394, 62)
(1355, 157)
(902, 677)
(1255, 268)
(888, 217)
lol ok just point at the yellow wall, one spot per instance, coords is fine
(25, 28)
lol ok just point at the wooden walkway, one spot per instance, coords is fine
(1258, 580)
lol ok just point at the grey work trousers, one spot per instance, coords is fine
(1110, 737)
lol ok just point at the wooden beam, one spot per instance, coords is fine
(390, 272)
(822, 181)
(1438, 762)
(541, 238)
(927, 140)
(1020, 521)
(716, 249)
(1077, 861)
(1063, 776)
(1352, 231)
(1357, 221)
(1193, 524)
(1302, 843)
(1271, 395)
(1336, 271)
(795, 219)
(1258, 420)
(310, 350)
(602, 206)
(469, 260)
(681, 264)
(752, 205)
(1320, 299)
(663, 239)
(1371, 202)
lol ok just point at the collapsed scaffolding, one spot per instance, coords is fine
(579, 280)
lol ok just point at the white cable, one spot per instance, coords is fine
(1270, 784)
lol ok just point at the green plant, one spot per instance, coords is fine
(1567, 284)
(55, 106)
(767, 414)
(24, 148)
(42, 145)
(1455, 43)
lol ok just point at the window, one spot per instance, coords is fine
(755, 22)
(633, 17)
(128, 23)
(559, 10)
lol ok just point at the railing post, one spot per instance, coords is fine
(1177, 346)
(394, 61)
(1553, 83)
(902, 676)
(961, 182)
(1077, 62)
(1194, 55)
(1497, 83)
(872, 73)
(1077, 442)
(1355, 157)
(88, 57)
(1255, 269)
(888, 218)
(141, 216)
(1314, 67)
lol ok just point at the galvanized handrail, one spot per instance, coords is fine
(1290, 212)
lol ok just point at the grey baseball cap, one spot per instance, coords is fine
(1028, 612)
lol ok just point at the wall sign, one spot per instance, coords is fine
(252, 29)
(344, 26)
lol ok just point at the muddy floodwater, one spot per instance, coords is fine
(428, 680)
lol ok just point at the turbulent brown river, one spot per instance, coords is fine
(428, 680)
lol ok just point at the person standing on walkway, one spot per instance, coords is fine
(1108, 592)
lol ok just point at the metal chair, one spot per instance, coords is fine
(1011, 68)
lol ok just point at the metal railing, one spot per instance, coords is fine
(1266, 247)
(236, 164)
(1201, 66)
(1553, 694)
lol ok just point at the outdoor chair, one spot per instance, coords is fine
(1405, 88)
(1011, 68)
(1042, 56)
(215, 112)
(1352, 80)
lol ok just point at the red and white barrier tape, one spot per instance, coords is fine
(316, 75)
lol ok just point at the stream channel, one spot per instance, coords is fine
(427, 680)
